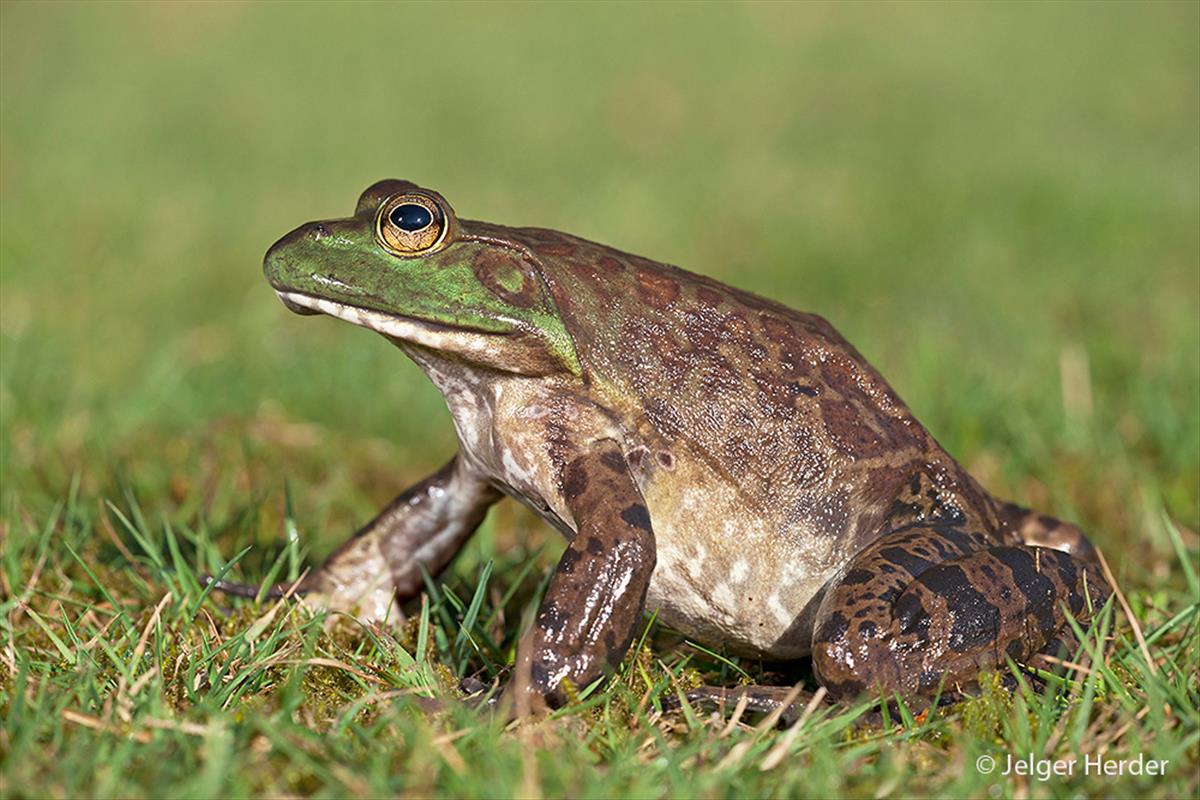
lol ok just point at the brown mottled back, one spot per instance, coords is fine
(775, 401)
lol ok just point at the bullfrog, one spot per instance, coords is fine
(731, 465)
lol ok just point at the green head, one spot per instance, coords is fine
(405, 266)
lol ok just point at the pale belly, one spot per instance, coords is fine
(729, 578)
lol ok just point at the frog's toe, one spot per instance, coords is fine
(482, 697)
(786, 701)
(472, 687)
(251, 590)
(1043, 530)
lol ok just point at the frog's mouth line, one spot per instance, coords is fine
(406, 329)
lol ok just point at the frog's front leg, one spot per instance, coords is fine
(931, 606)
(594, 602)
(380, 565)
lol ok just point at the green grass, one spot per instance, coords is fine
(998, 204)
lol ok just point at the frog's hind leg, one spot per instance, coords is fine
(1043, 530)
(926, 608)
(381, 565)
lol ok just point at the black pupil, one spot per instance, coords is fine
(411, 217)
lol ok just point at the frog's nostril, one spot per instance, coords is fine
(318, 232)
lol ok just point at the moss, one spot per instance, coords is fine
(447, 680)
(239, 618)
(341, 633)
(988, 714)
(327, 691)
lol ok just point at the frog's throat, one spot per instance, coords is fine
(426, 334)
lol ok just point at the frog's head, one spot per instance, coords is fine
(405, 266)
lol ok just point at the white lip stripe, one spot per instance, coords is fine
(395, 327)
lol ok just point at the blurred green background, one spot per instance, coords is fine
(997, 203)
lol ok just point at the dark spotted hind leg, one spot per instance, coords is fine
(1043, 530)
(381, 564)
(931, 606)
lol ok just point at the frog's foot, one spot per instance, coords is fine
(371, 603)
(375, 603)
(753, 699)
(385, 562)
(355, 580)
(1042, 530)
(923, 610)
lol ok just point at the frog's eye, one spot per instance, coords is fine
(411, 224)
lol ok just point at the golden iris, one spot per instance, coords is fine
(410, 224)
